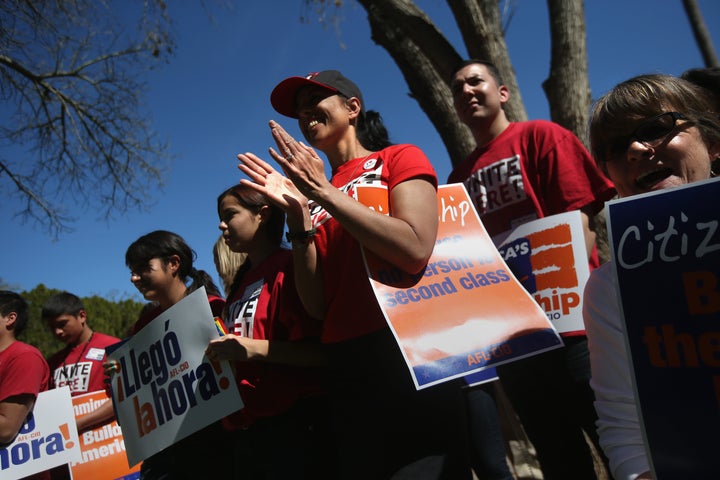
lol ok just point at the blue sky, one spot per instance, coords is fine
(211, 101)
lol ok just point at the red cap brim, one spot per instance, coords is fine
(283, 95)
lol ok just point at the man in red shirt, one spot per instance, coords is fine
(79, 364)
(23, 370)
(522, 171)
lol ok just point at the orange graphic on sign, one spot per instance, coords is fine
(465, 311)
(103, 448)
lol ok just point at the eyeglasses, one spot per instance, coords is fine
(651, 133)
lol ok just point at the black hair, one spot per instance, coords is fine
(163, 245)
(64, 303)
(13, 302)
(254, 201)
(491, 68)
(275, 226)
(707, 78)
(371, 131)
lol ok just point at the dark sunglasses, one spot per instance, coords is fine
(651, 133)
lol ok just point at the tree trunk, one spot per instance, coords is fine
(481, 28)
(702, 37)
(426, 60)
(568, 88)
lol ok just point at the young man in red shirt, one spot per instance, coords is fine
(80, 364)
(521, 171)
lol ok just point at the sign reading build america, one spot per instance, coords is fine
(102, 449)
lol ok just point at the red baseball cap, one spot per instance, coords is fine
(283, 95)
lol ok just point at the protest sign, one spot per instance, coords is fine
(465, 312)
(102, 449)
(483, 376)
(48, 437)
(666, 253)
(166, 389)
(549, 258)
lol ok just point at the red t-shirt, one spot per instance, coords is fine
(23, 370)
(531, 170)
(80, 367)
(265, 305)
(352, 308)
(216, 306)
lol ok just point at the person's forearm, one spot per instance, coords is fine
(243, 349)
(406, 243)
(588, 230)
(13, 411)
(9, 428)
(101, 415)
(307, 270)
(298, 353)
(285, 352)
(308, 278)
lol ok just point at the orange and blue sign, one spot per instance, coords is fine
(102, 449)
(549, 258)
(466, 311)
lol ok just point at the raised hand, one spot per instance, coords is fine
(299, 162)
(271, 183)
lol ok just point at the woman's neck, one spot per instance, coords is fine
(264, 249)
(175, 293)
(344, 152)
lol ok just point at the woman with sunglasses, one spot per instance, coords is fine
(648, 133)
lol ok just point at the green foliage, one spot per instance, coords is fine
(105, 316)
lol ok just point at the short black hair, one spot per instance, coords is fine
(64, 303)
(491, 68)
(705, 77)
(13, 302)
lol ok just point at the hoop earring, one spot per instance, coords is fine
(715, 168)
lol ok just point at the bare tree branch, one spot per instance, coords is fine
(702, 36)
(74, 128)
(480, 23)
(568, 87)
(426, 60)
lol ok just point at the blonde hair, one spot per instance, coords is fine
(227, 262)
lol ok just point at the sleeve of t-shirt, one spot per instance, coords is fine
(217, 305)
(294, 322)
(407, 162)
(618, 421)
(54, 362)
(570, 178)
(24, 375)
